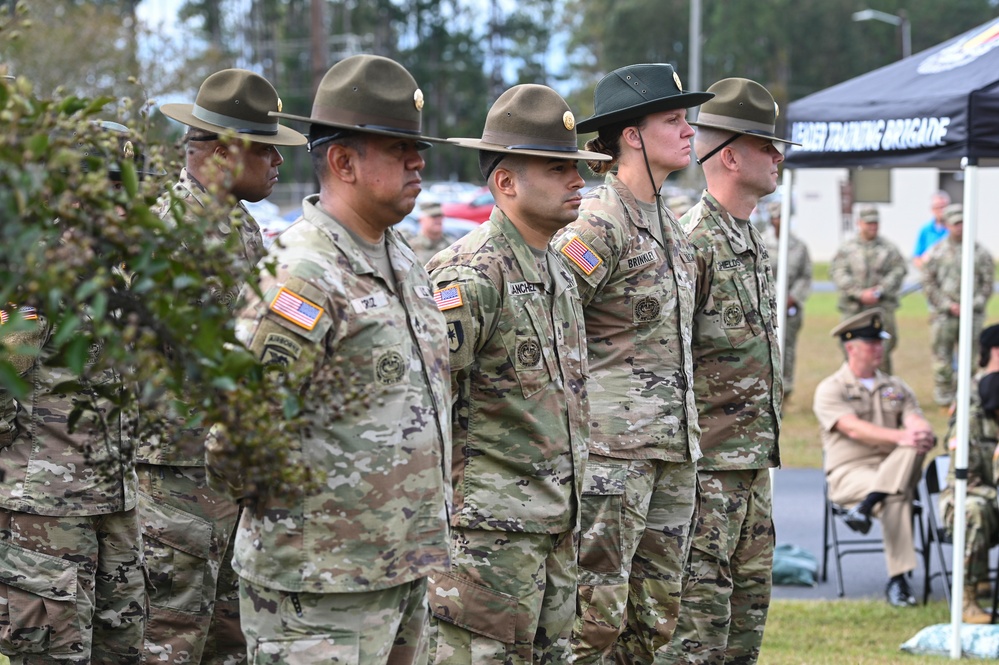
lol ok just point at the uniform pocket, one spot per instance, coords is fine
(737, 316)
(474, 607)
(603, 500)
(177, 548)
(41, 610)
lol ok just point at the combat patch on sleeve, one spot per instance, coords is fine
(280, 349)
(582, 255)
(448, 298)
(293, 307)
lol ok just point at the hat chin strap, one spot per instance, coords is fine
(655, 193)
(720, 146)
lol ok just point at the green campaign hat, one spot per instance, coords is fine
(367, 93)
(637, 90)
(743, 107)
(236, 101)
(531, 119)
(868, 324)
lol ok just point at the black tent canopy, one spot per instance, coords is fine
(930, 109)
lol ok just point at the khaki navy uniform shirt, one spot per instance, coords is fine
(636, 280)
(737, 365)
(887, 405)
(518, 363)
(861, 264)
(379, 516)
(188, 448)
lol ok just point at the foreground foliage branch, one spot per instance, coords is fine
(137, 329)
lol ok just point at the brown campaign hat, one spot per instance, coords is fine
(531, 119)
(368, 93)
(868, 324)
(236, 101)
(743, 107)
(637, 90)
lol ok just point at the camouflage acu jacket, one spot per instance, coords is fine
(942, 277)
(799, 274)
(636, 281)
(188, 449)
(379, 518)
(518, 362)
(737, 366)
(48, 470)
(861, 264)
(425, 248)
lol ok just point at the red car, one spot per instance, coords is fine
(477, 209)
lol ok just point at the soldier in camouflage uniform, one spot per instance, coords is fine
(799, 283)
(520, 420)
(737, 382)
(982, 525)
(868, 272)
(339, 574)
(71, 581)
(187, 527)
(635, 272)
(430, 237)
(942, 287)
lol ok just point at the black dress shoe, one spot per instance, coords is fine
(857, 520)
(899, 594)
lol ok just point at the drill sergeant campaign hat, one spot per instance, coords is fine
(366, 93)
(530, 119)
(742, 107)
(236, 102)
(636, 91)
(868, 324)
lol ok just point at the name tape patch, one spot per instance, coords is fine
(373, 301)
(293, 307)
(521, 288)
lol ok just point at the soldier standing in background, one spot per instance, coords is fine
(520, 422)
(799, 283)
(737, 382)
(338, 573)
(635, 272)
(868, 272)
(430, 237)
(942, 287)
(71, 579)
(188, 528)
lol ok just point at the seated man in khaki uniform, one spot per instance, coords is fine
(874, 438)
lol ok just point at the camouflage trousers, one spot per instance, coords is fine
(384, 627)
(944, 338)
(635, 538)
(793, 324)
(981, 532)
(726, 594)
(509, 599)
(187, 534)
(71, 589)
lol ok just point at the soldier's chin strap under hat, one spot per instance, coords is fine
(366, 93)
(633, 92)
(529, 119)
(236, 102)
(740, 106)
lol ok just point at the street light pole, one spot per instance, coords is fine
(900, 21)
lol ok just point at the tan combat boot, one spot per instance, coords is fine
(972, 613)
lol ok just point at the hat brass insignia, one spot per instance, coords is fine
(128, 150)
(568, 120)
(279, 105)
(418, 99)
(676, 79)
(776, 110)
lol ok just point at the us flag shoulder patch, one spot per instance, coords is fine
(448, 297)
(580, 253)
(295, 308)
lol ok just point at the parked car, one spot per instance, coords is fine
(477, 209)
